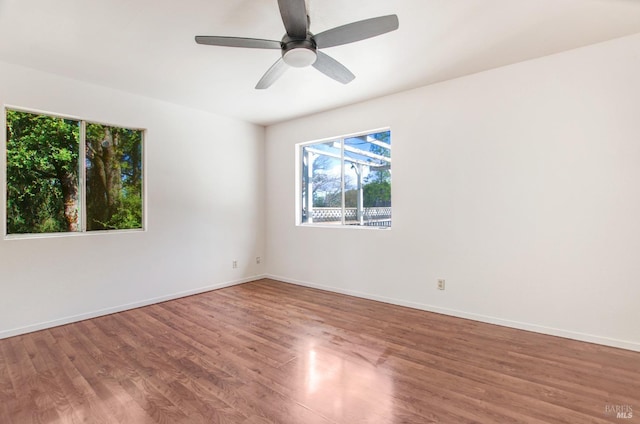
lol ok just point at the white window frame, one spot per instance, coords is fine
(299, 153)
(81, 176)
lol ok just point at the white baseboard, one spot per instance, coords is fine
(101, 312)
(590, 338)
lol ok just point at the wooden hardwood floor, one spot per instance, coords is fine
(268, 352)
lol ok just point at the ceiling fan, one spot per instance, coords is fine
(300, 48)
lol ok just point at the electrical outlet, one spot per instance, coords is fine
(258, 260)
(234, 264)
(440, 284)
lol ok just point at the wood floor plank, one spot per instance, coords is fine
(127, 366)
(231, 333)
(69, 398)
(5, 417)
(272, 405)
(93, 393)
(7, 391)
(168, 377)
(267, 352)
(254, 419)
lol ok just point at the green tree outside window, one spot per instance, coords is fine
(44, 174)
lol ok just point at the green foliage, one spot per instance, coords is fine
(129, 213)
(377, 186)
(377, 193)
(114, 177)
(42, 163)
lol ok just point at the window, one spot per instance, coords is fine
(347, 181)
(67, 175)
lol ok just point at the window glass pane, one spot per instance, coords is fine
(376, 179)
(322, 183)
(114, 177)
(42, 173)
(367, 161)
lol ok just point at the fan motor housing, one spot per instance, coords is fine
(299, 53)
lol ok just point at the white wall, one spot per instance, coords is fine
(520, 186)
(205, 195)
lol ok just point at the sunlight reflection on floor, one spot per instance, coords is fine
(343, 387)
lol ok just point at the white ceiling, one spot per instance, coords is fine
(147, 46)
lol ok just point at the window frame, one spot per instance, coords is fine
(299, 182)
(82, 175)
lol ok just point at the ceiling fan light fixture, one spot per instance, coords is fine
(300, 57)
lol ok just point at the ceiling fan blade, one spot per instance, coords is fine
(357, 31)
(272, 74)
(294, 17)
(252, 43)
(333, 69)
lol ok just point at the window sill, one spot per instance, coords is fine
(344, 227)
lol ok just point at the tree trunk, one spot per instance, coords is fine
(69, 186)
(104, 178)
(113, 171)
